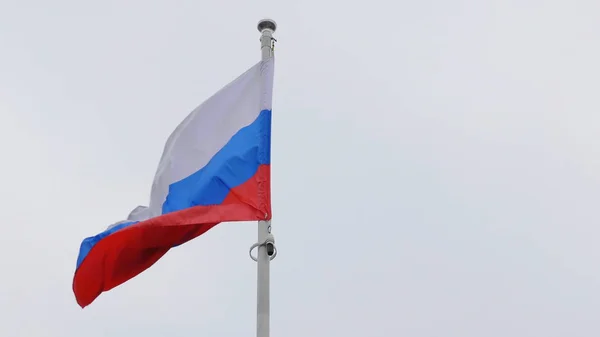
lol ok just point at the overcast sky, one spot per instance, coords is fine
(436, 165)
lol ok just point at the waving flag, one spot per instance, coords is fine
(215, 167)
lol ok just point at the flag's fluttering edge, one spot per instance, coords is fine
(215, 167)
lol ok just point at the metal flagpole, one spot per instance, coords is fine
(266, 242)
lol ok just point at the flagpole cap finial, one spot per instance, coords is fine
(265, 24)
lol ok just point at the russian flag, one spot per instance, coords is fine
(215, 167)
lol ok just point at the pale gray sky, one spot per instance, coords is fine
(436, 165)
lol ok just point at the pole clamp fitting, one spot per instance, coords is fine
(269, 243)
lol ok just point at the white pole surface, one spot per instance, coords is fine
(263, 283)
(265, 251)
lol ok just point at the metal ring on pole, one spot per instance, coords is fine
(256, 245)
